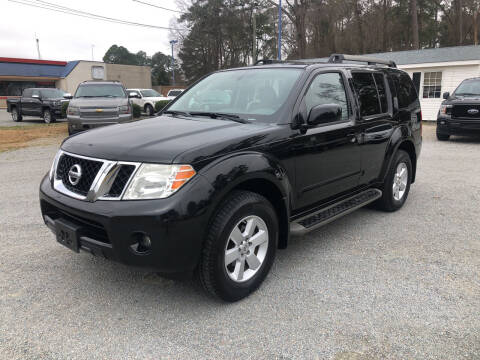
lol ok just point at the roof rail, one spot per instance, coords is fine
(267, 61)
(340, 58)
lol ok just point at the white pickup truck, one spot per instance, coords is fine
(146, 98)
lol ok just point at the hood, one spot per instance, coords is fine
(168, 139)
(474, 99)
(98, 102)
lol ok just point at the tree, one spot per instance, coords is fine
(414, 15)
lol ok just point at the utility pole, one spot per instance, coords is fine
(279, 29)
(38, 47)
(173, 42)
(254, 37)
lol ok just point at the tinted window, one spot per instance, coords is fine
(27, 93)
(327, 89)
(51, 93)
(367, 93)
(380, 81)
(406, 92)
(174, 92)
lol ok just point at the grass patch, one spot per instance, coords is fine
(16, 137)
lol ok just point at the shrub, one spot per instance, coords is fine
(137, 110)
(64, 108)
(159, 105)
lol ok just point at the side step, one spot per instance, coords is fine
(322, 217)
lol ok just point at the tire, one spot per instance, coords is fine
(15, 115)
(442, 137)
(48, 117)
(392, 200)
(149, 110)
(226, 281)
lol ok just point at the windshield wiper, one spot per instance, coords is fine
(217, 115)
(175, 112)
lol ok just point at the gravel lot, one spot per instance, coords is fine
(369, 286)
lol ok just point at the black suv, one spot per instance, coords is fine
(460, 112)
(235, 165)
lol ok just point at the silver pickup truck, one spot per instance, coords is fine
(98, 103)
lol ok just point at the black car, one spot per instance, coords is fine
(235, 165)
(43, 102)
(460, 112)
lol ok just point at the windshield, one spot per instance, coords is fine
(253, 94)
(150, 93)
(471, 87)
(174, 92)
(100, 90)
(51, 93)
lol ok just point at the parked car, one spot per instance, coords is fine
(43, 102)
(243, 160)
(460, 112)
(173, 93)
(98, 103)
(146, 99)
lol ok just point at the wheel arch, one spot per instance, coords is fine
(256, 173)
(406, 145)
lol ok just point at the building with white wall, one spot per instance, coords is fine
(435, 71)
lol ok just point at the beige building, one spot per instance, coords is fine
(19, 74)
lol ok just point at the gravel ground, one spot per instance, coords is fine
(6, 120)
(368, 286)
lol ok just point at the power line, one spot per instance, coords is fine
(63, 9)
(158, 6)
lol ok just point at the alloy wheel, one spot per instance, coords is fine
(400, 181)
(246, 248)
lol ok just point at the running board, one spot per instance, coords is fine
(322, 217)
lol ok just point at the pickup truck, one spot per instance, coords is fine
(43, 102)
(235, 165)
(460, 112)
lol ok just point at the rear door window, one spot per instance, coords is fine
(406, 93)
(367, 94)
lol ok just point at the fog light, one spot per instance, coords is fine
(142, 244)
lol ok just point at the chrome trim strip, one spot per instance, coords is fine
(103, 180)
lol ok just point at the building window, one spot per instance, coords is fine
(432, 85)
(98, 73)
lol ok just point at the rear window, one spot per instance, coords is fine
(367, 94)
(100, 90)
(406, 93)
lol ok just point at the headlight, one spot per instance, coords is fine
(54, 165)
(124, 109)
(155, 181)
(445, 109)
(72, 110)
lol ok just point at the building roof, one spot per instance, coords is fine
(445, 54)
(35, 68)
(436, 55)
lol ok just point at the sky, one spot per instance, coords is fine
(67, 37)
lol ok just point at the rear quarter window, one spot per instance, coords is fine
(406, 93)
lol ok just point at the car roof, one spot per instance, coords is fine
(96, 82)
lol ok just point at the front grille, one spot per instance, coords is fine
(121, 181)
(94, 114)
(89, 168)
(462, 111)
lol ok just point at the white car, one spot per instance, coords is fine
(146, 98)
(173, 93)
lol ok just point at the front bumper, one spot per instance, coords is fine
(77, 123)
(453, 126)
(110, 229)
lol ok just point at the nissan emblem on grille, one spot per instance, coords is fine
(75, 174)
(473, 111)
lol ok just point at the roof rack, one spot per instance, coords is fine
(340, 58)
(267, 61)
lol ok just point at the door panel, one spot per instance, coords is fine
(328, 162)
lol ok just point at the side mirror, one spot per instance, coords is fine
(35, 96)
(323, 114)
(67, 96)
(446, 95)
(133, 95)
